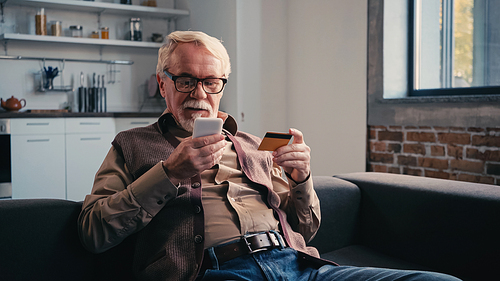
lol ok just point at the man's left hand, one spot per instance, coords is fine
(295, 158)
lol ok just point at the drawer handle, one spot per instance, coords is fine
(38, 124)
(39, 140)
(139, 123)
(90, 123)
(89, 139)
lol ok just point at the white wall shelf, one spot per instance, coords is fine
(99, 7)
(72, 40)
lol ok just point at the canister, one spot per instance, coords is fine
(95, 34)
(41, 22)
(56, 28)
(76, 30)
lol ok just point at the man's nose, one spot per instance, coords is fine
(199, 92)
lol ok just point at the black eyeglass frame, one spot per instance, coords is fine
(174, 78)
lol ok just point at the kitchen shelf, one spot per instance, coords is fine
(99, 7)
(72, 40)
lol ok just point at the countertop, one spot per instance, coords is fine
(24, 114)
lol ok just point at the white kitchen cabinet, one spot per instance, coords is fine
(125, 123)
(38, 158)
(88, 140)
(59, 157)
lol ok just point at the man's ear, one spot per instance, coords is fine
(161, 84)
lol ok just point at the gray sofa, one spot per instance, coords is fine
(368, 219)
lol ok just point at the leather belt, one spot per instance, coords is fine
(248, 244)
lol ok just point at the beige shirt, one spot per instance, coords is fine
(232, 204)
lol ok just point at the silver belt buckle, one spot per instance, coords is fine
(250, 250)
(273, 236)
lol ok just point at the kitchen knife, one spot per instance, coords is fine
(87, 95)
(98, 95)
(92, 96)
(81, 95)
(103, 96)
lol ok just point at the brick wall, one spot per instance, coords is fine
(464, 154)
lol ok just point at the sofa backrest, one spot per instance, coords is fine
(39, 241)
(446, 225)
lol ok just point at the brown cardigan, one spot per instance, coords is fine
(171, 247)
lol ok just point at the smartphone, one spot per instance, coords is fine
(206, 126)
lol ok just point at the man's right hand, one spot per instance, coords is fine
(193, 156)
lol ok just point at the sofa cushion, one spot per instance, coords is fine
(359, 255)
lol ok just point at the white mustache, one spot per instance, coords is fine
(197, 104)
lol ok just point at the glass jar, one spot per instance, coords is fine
(135, 33)
(95, 34)
(56, 28)
(41, 22)
(104, 33)
(76, 31)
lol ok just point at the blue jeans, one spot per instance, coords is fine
(283, 264)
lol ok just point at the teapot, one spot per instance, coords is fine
(12, 104)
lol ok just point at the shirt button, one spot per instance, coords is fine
(195, 184)
(197, 209)
(198, 239)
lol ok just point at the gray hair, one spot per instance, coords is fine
(212, 44)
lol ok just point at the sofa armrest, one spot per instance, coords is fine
(339, 200)
(447, 225)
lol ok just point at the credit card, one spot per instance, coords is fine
(273, 141)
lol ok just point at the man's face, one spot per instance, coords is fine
(195, 61)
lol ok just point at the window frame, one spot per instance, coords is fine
(412, 92)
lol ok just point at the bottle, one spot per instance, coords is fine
(41, 22)
(135, 29)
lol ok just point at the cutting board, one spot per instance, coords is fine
(46, 110)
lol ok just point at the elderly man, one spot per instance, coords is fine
(213, 207)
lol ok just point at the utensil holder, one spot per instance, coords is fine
(47, 85)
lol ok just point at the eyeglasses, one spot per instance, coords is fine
(186, 84)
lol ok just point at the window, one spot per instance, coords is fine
(455, 47)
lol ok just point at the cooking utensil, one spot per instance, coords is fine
(98, 95)
(104, 101)
(81, 95)
(92, 95)
(50, 74)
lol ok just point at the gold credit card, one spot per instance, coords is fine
(273, 141)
